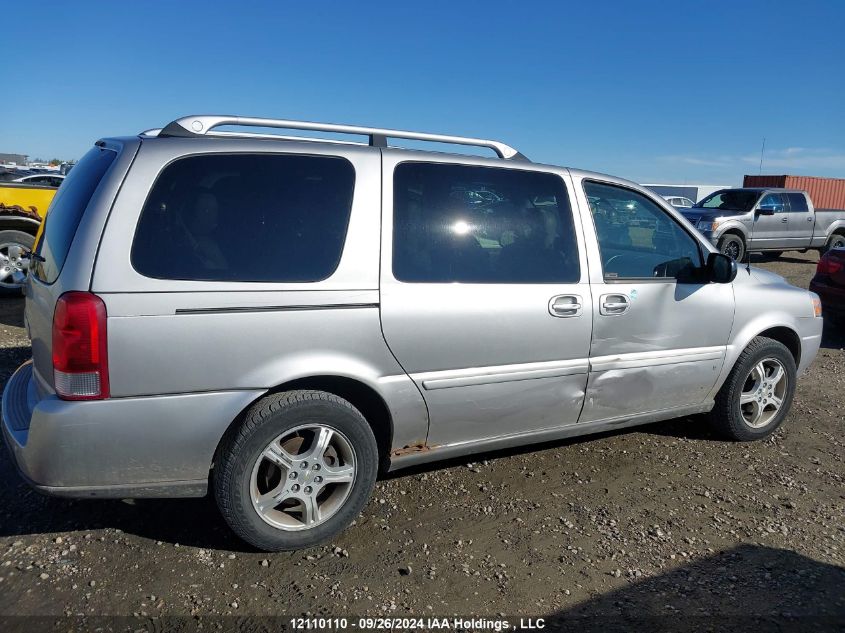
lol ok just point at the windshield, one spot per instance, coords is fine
(730, 200)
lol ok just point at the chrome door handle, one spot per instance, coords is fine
(565, 306)
(784, 220)
(613, 304)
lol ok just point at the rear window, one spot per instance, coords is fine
(797, 202)
(246, 217)
(66, 211)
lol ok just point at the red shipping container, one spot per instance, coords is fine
(827, 194)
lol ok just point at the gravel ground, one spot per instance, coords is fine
(655, 521)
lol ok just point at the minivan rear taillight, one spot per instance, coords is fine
(80, 352)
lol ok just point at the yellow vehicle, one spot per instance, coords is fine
(22, 209)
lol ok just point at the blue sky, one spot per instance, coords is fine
(652, 91)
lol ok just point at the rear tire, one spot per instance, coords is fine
(837, 240)
(297, 471)
(12, 274)
(732, 245)
(757, 394)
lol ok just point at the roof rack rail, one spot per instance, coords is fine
(204, 124)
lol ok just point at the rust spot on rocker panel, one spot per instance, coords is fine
(409, 449)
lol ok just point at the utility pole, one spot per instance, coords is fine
(762, 149)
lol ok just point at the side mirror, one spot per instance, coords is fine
(720, 269)
(766, 210)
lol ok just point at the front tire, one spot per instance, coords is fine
(297, 471)
(757, 394)
(732, 246)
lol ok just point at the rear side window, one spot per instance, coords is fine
(65, 212)
(797, 202)
(246, 217)
(460, 223)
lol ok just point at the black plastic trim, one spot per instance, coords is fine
(292, 308)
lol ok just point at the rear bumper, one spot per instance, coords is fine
(160, 446)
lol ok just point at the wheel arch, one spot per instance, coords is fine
(362, 396)
(788, 337)
(18, 223)
(779, 330)
(838, 226)
(735, 230)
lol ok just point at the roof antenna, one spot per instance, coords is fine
(754, 216)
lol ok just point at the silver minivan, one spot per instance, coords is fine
(277, 319)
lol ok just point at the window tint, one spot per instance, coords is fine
(797, 202)
(637, 238)
(458, 223)
(244, 217)
(730, 200)
(66, 211)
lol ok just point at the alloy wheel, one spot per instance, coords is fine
(13, 265)
(303, 477)
(731, 249)
(763, 393)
